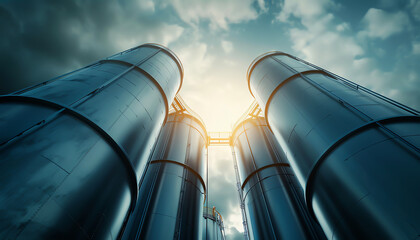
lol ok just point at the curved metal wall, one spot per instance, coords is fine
(172, 193)
(73, 148)
(274, 202)
(212, 225)
(355, 152)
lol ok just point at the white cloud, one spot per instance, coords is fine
(303, 9)
(324, 41)
(227, 46)
(321, 40)
(232, 233)
(169, 33)
(146, 5)
(416, 48)
(342, 27)
(125, 38)
(196, 59)
(261, 4)
(415, 9)
(381, 24)
(218, 12)
(330, 49)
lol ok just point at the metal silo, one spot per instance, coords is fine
(355, 152)
(72, 149)
(173, 190)
(273, 199)
(213, 228)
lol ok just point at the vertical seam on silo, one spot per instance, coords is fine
(168, 139)
(183, 185)
(298, 200)
(259, 182)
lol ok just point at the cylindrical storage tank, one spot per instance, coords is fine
(213, 228)
(355, 152)
(73, 149)
(274, 202)
(173, 190)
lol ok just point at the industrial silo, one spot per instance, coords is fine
(273, 199)
(355, 152)
(172, 193)
(213, 228)
(72, 149)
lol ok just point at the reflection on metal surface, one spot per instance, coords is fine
(273, 200)
(73, 148)
(173, 190)
(355, 152)
(213, 223)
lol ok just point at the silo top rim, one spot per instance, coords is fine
(194, 118)
(258, 60)
(171, 54)
(237, 127)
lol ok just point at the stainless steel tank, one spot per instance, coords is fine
(274, 202)
(72, 149)
(355, 152)
(213, 228)
(172, 193)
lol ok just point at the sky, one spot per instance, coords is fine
(373, 43)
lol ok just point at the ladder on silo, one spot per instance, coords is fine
(240, 194)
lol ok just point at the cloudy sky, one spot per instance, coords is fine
(373, 43)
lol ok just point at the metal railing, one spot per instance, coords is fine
(219, 138)
(212, 213)
(253, 111)
(179, 106)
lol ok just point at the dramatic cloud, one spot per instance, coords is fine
(218, 12)
(381, 24)
(216, 41)
(42, 39)
(323, 39)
